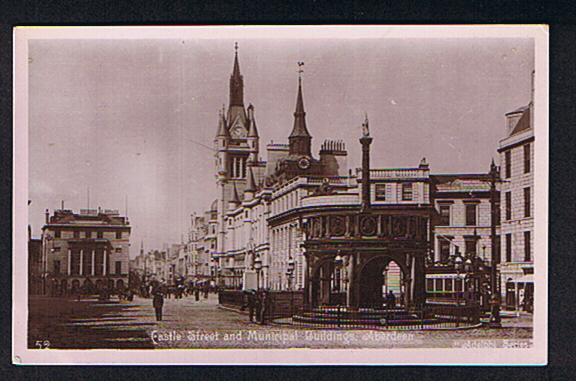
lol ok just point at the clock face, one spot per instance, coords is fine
(238, 131)
(304, 163)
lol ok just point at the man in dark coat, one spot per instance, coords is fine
(251, 304)
(158, 303)
(391, 299)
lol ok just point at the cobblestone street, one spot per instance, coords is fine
(66, 323)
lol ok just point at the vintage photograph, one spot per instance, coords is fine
(299, 191)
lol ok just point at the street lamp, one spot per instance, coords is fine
(495, 302)
(290, 272)
(257, 268)
(458, 263)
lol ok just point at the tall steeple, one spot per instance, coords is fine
(236, 112)
(236, 82)
(300, 139)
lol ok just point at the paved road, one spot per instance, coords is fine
(190, 324)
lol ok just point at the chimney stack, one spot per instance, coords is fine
(47, 216)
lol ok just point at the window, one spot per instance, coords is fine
(118, 250)
(527, 246)
(470, 246)
(497, 213)
(507, 165)
(444, 215)
(448, 285)
(527, 202)
(76, 234)
(429, 285)
(407, 191)
(438, 285)
(56, 267)
(508, 205)
(458, 285)
(508, 247)
(56, 249)
(470, 214)
(444, 246)
(380, 192)
(118, 234)
(57, 234)
(527, 164)
(88, 234)
(498, 248)
(118, 268)
(100, 235)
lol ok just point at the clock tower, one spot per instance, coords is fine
(236, 147)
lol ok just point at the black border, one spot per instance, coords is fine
(561, 15)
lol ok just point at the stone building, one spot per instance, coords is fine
(516, 151)
(85, 251)
(310, 222)
(301, 221)
(462, 224)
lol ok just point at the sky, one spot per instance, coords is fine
(134, 120)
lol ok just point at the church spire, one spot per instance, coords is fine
(236, 83)
(222, 131)
(252, 130)
(300, 139)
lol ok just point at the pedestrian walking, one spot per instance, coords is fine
(158, 303)
(196, 293)
(251, 299)
(391, 299)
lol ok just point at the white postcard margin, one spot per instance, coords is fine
(537, 355)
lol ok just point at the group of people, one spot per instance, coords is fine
(258, 305)
(159, 292)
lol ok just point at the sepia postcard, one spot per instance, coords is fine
(280, 195)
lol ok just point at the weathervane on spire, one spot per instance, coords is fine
(300, 70)
(236, 47)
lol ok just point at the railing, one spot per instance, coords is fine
(336, 199)
(231, 298)
(396, 318)
(398, 173)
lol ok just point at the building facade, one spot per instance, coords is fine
(85, 251)
(301, 221)
(516, 151)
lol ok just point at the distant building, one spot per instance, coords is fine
(517, 215)
(35, 278)
(461, 224)
(85, 251)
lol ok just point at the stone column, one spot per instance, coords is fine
(307, 286)
(93, 262)
(366, 141)
(81, 262)
(69, 270)
(350, 283)
(105, 266)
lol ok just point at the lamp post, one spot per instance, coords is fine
(290, 272)
(257, 268)
(458, 263)
(495, 300)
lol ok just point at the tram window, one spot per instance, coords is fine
(448, 285)
(438, 284)
(458, 285)
(429, 285)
